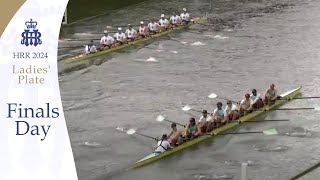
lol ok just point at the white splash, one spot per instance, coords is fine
(158, 50)
(95, 81)
(151, 59)
(94, 144)
(120, 128)
(220, 37)
(198, 43)
(208, 35)
(183, 42)
(174, 52)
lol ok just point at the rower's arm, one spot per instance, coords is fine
(170, 134)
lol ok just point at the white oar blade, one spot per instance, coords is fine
(317, 108)
(270, 132)
(131, 131)
(160, 118)
(120, 129)
(186, 108)
(212, 96)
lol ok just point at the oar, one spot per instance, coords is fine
(268, 132)
(213, 96)
(188, 108)
(312, 97)
(132, 131)
(160, 118)
(290, 109)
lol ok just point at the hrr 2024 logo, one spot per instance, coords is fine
(31, 35)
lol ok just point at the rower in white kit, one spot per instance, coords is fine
(130, 33)
(153, 27)
(90, 48)
(120, 37)
(106, 41)
(143, 30)
(185, 18)
(164, 23)
(175, 20)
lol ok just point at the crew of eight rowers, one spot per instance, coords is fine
(218, 118)
(131, 34)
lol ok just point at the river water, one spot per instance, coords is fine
(245, 45)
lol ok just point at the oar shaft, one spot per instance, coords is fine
(146, 136)
(175, 122)
(253, 132)
(268, 120)
(226, 99)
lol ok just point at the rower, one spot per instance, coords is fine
(257, 100)
(106, 41)
(143, 31)
(185, 18)
(90, 48)
(192, 130)
(245, 105)
(130, 33)
(153, 27)
(218, 115)
(175, 136)
(163, 144)
(231, 112)
(205, 122)
(120, 37)
(270, 96)
(174, 20)
(163, 22)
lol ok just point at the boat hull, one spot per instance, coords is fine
(156, 156)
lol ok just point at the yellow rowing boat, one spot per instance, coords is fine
(139, 41)
(156, 156)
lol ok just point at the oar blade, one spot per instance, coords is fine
(317, 108)
(131, 131)
(213, 95)
(186, 108)
(270, 132)
(160, 118)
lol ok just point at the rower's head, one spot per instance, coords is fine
(192, 121)
(119, 29)
(173, 126)
(184, 10)
(141, 23)
(162, 16)
(219, 105)
(152, 20)
(164, 137)
(91, 42)
(254, 92)
(130, 26)
(272, 86)
(105, 33)
(229, 103)
(204, 113)
(247, 96)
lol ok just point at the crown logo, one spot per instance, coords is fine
(31, 24)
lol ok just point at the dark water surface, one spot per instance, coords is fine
(246, 44)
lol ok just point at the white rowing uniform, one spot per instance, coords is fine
(121, 37)
(107, 40)
(255, 98)
(90, 49)
(175, 19)
(153, 26)
(131, 33)
(218, 113)
(164, 23)
(203, 119)
(143, 30)
(163, 146)
(246, 103)
(185, 17)
(228, 109)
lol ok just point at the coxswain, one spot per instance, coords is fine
(185, 18)
(270, 96)
(153, 27)
(205, 122)
(106, 41)
(245, 105)
(257, 100)
(120, 37)
(163, 22)
(218, 115)
(90, 48)
(192, 130)
(175, 136)
(231, 112)
(143, 31)
(163, 144)
(131, 34)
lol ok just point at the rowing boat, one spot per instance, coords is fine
(139, 41)
(156, 156)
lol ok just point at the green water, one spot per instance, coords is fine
(81, 9)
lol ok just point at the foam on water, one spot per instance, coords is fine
(198, 43)
(220, 37)
(151, 59)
